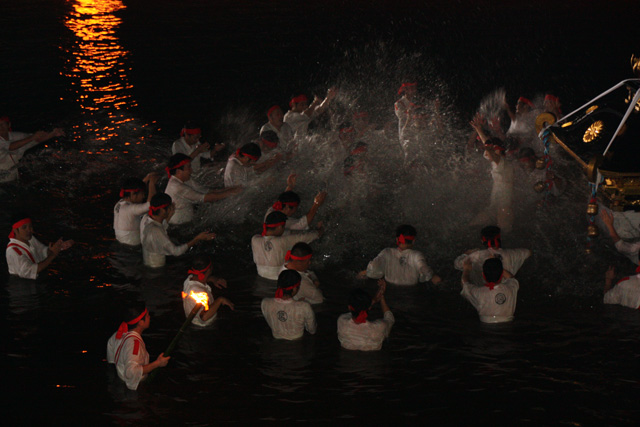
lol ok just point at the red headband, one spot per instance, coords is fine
(192, 131)
(200, 273)
(359, 150)
(178, 166)
(297, 99)
(265, 226)
(550, 97)
(289, 257)
(272, 109)
(495, 147)
(127, 190)
(18, 224)
(5, 119)
(124, 326)
(492, 243)
(277, 206)
(252, 157)
(406, 85)
(361, 317)
(152, 209)
(280, 291)
(525, 101)
(491, 285)
(401, 239)
(270, 144)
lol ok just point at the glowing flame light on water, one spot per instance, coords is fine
(199, 297)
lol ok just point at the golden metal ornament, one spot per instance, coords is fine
(591, 109)
(592, 209)
(543, 120)
(566, 124)
(539, 186)
(540, 164)
(593, 131)
(592, 231)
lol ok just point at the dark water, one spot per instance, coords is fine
(122, 78)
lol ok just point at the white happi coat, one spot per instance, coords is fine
(23, 258)
(367, 336)
(494, 306)
(299, 123)
(237, 174)
(129, 355)
(126, 221)
(512, 260)
(626, 292)
(630, 250)
(407, 267)
(288, 318)
(188, 303)
(184, 195)
(269, 251)
(181, 146)
(285, 135)
(156, 243)
(308, 291)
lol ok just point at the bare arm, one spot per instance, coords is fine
(221, 193)
(213, 309)
(160, 362)
(607, 219)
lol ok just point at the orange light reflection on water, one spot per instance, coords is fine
(96, 64)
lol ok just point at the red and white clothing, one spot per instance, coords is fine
(299, 123)
(626, 292)
(184, 195)
(403, 108)
(288, 318)
(512, 260)
(129, 355)
(630, 250)
(188, 303)
(156, 244)
(285, 135)
(308, 291)
(235, 173)
(292, 224)
(269, 251)
(495, 305)
(23, 258)
(407, 267)
(367, 336)
(181, 146)
(9, 159)
(126, 221)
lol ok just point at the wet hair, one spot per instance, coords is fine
(526, 152)
(496, 141)
(491, 233)
(251, 149)
(288, 278)
(406, 230)
(301, 249)
(270, 136)
(289, 197)
(200, 262)
(133, 184)
(492, 269)
(18, 216)
(275, 217)
(175, 160)
(133, 310)
(160, 199)
(359, 300)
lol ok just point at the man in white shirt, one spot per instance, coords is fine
(156, 244)
(287, 317)
(301, 113)
(13, 146)
(282, 130)
(355, 332)
(625, 292)
(299, 259)
(26, 256)
(269, 248)
(199, 280)
(288, 203)
(628, 249)
(189, 144)
(131, 206)
(185, 192)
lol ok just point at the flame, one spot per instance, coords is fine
(199, 297)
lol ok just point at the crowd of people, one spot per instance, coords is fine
(282, 253)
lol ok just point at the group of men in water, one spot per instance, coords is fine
(282, 252)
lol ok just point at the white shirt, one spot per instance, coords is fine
(269, 251)
(188, 303)
(512, 260)
(296, 224)
(184, 195)
(126, 221)
(285, 135)
(156, 243)
(19, 261)
(367, 336)
(288, 318)
(181, 146)
(129, 355)
(630, 250)
(9, 159)
(299, 122)
(237, 174)
(407, 267)
(626, 292)
(308, 291)
(494, 306)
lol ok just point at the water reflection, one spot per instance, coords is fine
(97, 66)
